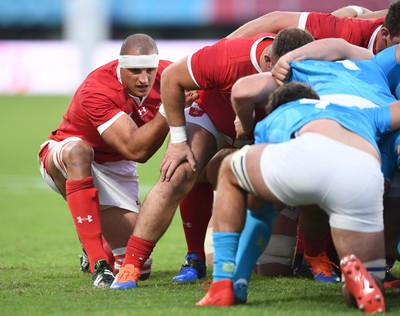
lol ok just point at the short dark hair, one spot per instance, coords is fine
(140, 44)
(392, 19)
(289, 39)
(290, 92)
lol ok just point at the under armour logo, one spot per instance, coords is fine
(142, 111)
(187, 224)
(84, 219)
(140, 258)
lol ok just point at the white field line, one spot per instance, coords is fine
(18, 184)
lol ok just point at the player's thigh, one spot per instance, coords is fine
(214, 164)
(253, 165)
(202, 143)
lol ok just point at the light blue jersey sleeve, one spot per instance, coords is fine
(386, 60)
(388, 145)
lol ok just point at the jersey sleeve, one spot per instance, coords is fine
(204, 63)
(387, 61)
(99, 107)
(323, 25)
(355, 31)
(390, 159)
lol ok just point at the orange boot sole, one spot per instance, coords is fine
(219, 294)
(360, 287)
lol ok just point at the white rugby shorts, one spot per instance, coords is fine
(312, 169)
(196, 115)
(117, 182)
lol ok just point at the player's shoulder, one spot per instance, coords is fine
(101, 83)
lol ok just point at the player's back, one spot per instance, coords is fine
(282, 124)
(348, 77)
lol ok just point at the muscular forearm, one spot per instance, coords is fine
(351, 11)
(175, 80)
(173, 97)
(330, 49)
(148, 139)
(137, 144)
(373, 14)
(251, 92)
(271, 22)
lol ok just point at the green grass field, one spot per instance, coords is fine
(39, 248)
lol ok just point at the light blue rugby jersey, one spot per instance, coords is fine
(388, 143)
(363, 78)
(390, 159)
(377, 80)
(386, 60)
(282, 124)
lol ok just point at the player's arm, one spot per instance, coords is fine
(395, 107)
(324, 49)
(395, 116)
(275, 21)
(330, 49)
(374, 14)
(352, 11)
(248, 93)
(175, 80)
(134, 143)
(271, 22)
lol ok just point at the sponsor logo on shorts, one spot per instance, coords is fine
(196, 112)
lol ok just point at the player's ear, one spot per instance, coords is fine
(384, 33)
(268, 61)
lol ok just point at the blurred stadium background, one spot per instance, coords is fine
(48, 46)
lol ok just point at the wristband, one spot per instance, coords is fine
(178, 134)
(161, 109)
(359, 10)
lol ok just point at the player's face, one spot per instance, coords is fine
(138, 81)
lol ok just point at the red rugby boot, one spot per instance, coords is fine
(219, 294)
(360, 287)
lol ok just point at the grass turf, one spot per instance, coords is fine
(39, 248)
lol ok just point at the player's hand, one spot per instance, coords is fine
(173, 157)
(281, 70)
(190, 97)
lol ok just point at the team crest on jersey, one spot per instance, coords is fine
(196, 112)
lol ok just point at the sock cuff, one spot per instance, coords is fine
(267, 214)
(217, 236)
(134, 240)
(72, 186)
